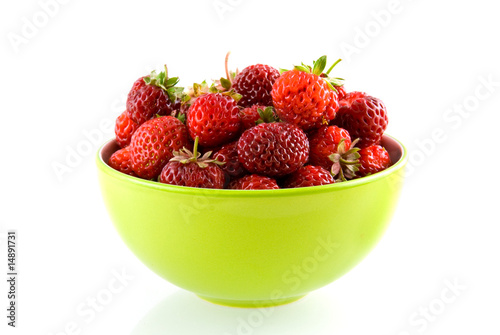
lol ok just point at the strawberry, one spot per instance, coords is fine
(257, 114)
(305, 96)
(373, 159)
(124, 129)
(120, 161)
(364, 117)
(153, 144)
(187, 168)
(255, 83)
(228, 154)
(254, 182)
(214, 118)
(324, 142)
(152, 95)
(341, 93)
(309, 175)
(273, 149)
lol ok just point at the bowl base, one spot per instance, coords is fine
(251, 303)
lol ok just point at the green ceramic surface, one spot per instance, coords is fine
(252, 248)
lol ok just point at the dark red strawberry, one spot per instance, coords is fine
(120, 161)
(305, 96)
(254, 182)
(228, 154)
(252, 116)
(153, 95)
(255, 83)
(124, 129)
(214, 118)
(153, 144)
(273, 149)
(309, 175)
(373, 159)
(189, 169)
(364, 117)
(324, 142)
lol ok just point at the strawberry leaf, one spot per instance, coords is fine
(172, 81)
(266, 115)
(319, 66)
(302, 68)
(225, 83)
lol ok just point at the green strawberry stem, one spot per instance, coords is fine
(317, 69)
(331, 67)
(185, 156)
(167, 84)
(195, 147)
(266, 115)
(345, 161)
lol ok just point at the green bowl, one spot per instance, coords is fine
(252, 248)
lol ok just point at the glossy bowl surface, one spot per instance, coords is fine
(252, 248)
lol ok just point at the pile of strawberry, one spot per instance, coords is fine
(256, 129)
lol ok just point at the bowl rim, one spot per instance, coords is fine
(394, 168)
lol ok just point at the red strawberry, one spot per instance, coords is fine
(373, 159)
(273, 149)
(214, 118)
(124, 129)
(228, 154)
(254, 182)
(309, 175)
(324, 142)
(152, 95)
(120, 161)
(364, 117)
(252, 116)
(153, 144)
(305, 96)
(189, 169)
(341, 93)
(255, 83)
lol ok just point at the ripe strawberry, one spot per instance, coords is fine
(152, 95)
(120, 161)
(252, 116)
(153, 144)
(309, 175)
(324, 142)
(228, 154)
(364, 117)
(341, 93)
(273, 149)
(305, 96)
(124, 129)
(189, 169)
(214, 118)
(254, 182)
(255, 83)
(373, 159)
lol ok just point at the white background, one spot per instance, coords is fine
(66, 77)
